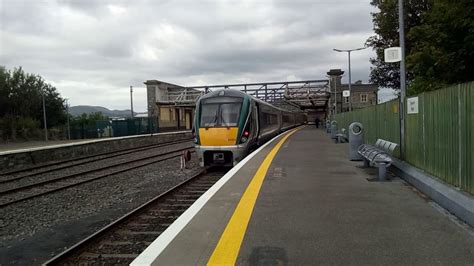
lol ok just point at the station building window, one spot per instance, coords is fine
(363, 98)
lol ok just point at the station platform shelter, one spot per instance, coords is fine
(299, 200)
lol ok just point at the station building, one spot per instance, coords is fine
(362, 94)
(171, 104)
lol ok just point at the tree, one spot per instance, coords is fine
(21, 107)
(442, 46)
(88, 119)
(387, 35)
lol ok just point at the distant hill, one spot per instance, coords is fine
(87, 109)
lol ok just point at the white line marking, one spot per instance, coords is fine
(153, 251)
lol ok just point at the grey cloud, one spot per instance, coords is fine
(86, 48)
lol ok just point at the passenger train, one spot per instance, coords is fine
(228, 124)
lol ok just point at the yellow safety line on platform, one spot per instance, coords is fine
(228, 247)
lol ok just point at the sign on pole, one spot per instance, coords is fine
(346, 93)
(412, 105)
(392, 54)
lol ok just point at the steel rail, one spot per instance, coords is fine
(88, 243)
(122, 152)
(35, 185)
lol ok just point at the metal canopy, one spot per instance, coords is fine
(292, 95)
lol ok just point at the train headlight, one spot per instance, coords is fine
(244, 137)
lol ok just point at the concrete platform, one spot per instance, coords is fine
(45, 152)
(317, 207)
(22, 147)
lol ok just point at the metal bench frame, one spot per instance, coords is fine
(378, 155)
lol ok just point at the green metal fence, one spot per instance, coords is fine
(439, 138)
(116, 128)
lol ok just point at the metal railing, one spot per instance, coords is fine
(183, 97)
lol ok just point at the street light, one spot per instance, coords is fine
(401, 34)
(349, 55)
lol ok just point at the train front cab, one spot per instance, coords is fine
(221, 128)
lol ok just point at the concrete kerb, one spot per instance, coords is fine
(457, 202)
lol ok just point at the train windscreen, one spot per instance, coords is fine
(220, 112)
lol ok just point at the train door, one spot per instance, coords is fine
(255, 123)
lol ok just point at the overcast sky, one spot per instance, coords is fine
(92, 51)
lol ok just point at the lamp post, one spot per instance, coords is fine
(350, 81)
(401, 32)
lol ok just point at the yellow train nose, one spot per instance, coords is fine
(218, 136)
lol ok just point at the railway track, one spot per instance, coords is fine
(55, 166)
(123, 240)
(26, 192)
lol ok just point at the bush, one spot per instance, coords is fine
(27, 127)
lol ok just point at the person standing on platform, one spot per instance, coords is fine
(317, 122)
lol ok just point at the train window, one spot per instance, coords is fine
(222, 114)
(271, 119)
(209, 115)
(230, 114)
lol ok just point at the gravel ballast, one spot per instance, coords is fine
(35, 230)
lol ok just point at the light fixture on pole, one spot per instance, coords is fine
(350, 81)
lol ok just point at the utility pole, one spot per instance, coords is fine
(131, 99)
(401, 31)
(68, 126)
(44, 118)
(333, 79)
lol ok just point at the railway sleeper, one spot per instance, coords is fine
(175, 206)
(138, 228)
(132, 248)
(132, 238)
(130, 232)
(160, 211)
(187, 196)
(91, 255)
(159, 217)
(183, 201)
(103, 261)
(196, 191)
